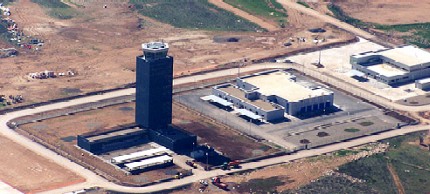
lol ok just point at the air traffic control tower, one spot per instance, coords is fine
(154, 78)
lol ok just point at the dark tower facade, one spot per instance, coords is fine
(154, 84)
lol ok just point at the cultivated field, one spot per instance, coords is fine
(29, 172)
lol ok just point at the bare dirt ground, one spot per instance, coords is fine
(380, 11)
(388, 11)
(62, 131)
(101, 46)
(222, 138)
(29, 172)
(270, 26)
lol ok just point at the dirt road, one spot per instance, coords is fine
(396, 179)
(261, 22)
(293, 5)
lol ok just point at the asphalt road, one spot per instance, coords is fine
(95, 180)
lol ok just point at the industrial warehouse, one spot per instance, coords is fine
(268, 95)
(393, 66)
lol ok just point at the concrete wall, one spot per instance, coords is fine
(314, 104)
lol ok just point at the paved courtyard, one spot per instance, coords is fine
(350, 108)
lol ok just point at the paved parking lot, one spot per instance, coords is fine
(350, 108)
(336, 62)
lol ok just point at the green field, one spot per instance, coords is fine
(57, 9)
(270, 9)
(420, 32)
(374, 170)
(193, 14)
(409, 161)
(266, 8)
(332, 185)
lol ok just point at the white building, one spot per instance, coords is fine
(272, 93)
(394, 66)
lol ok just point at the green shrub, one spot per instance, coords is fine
(352, 130)
(304, 4)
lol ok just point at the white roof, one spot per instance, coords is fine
(149, 162)
(423, 81)
(387, 70)
(355, 73)
(139, 155)
(280, 83)
(408, 55)
(249, 114)
(217, 99)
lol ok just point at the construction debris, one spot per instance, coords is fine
(16, 35)
(50, 74)
(10, 52)
(12, 100)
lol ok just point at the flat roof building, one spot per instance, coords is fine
(270, 94)
(394, 66)
(117, 138)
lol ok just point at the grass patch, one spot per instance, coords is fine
(270, 9)
(420, 32)
(6, 2)
(333, 184)
(57, 9)
(352, 130)
(366, 123)
(374, 170)
(265, 8)
(414, 180)
(409, 161)
(267, 185)
(345, 152)
(195, 14)
(341, 15)
(304, 4)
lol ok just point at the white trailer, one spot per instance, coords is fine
(139, 155)
(148, 163)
